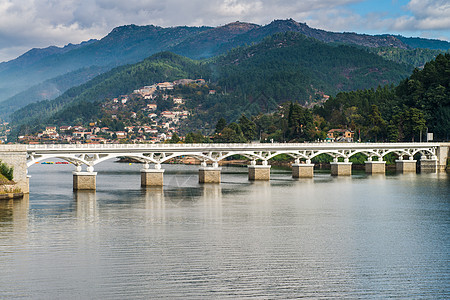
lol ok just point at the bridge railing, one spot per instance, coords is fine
(261, 146)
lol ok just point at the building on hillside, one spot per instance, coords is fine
(152, 106)
(340, 135)
(165, 86)
(178, 101)
(50, 129)
(65, 128)
(121, 134)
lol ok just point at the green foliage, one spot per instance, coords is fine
(6, 171)
(400, 113)
(322, 158)
(196, 137)
(175, 139)
(416, 42)
(248, 128)
(415, 57)
(285, 67)
(221, 124)
(358, 159)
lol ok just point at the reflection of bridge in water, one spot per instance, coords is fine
(432, 157)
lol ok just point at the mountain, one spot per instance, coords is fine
(124, 45)
(37, 54)
(415, 42)
(283, 67)
(130, 44)
(211, 42)
(49, 89)
(221, 39)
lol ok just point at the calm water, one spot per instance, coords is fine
(358, 237)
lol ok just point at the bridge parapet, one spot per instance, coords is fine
(16, 156)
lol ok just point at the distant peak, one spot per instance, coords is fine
(239, 24)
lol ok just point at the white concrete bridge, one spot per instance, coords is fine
(432, 157)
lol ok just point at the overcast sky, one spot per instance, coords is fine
(26, 24)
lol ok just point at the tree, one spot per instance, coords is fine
(175, 138)
(248, 128)
(376, 123)
(6, 171)
(196, 137)
(221, 124)
(229, 135)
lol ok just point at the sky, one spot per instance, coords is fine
(27, 24)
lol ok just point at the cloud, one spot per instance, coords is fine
(426, 15)
(25, 24)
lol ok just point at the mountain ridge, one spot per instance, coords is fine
(132, 43)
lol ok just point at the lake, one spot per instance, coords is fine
(327, 237)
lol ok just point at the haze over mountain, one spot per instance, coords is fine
(131, 43)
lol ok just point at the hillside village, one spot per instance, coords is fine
(151, 114)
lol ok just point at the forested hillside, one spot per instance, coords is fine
(419, 103)
(414, 57)
(290, 66)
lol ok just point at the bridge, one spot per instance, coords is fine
(432, 158)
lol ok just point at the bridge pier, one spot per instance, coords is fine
(209, 174)
(428, 165)
(303, 170)
(405, 166)
(152, 177)
(84, 180)
(259, 172)
(375, 167)
(443, 153)
(341, 168)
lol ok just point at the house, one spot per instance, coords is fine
(49, 130)
(212, 92)
(80, 134)
(165, 86)
(65, 128)
(340, 135)
(98, 140)
(152, 106)
(121, 134)
(178, 101)
(183, 81)
(79, 128)
(168, 114)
